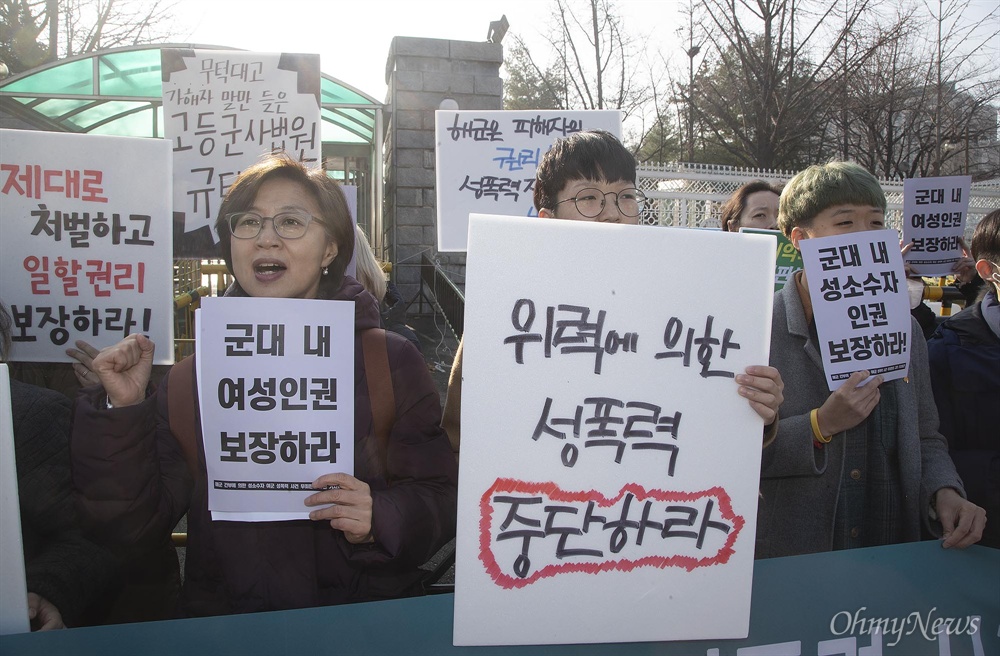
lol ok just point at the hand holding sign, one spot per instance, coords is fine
(961, 520)
(124, 369)
(763, 387)
(351, 511)
(965, 267)
(850, 404)
(43, 614)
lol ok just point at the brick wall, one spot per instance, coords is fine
(420, 74)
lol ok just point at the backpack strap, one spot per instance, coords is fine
(380, 393)
(181, 405)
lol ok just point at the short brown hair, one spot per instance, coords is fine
(335, 215)
(731, 211)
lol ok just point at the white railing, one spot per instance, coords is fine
(692, 195)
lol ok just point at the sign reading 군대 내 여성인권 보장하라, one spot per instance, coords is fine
(276, 384)
(934, 213)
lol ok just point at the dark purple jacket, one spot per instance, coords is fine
(135, 485)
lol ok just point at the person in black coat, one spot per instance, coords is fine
(964, 357)
(68, 577)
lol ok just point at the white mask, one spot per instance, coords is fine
(915, 287)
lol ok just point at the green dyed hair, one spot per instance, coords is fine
(821, 186)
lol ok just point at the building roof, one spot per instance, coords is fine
(118, 92)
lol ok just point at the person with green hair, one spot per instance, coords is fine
(864, 465)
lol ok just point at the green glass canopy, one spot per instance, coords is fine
(118, 92)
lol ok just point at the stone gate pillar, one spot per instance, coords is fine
(421, 74)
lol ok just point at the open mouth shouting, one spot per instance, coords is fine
(266, 270)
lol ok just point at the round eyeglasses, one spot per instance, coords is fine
(288, 225)
(590, 202)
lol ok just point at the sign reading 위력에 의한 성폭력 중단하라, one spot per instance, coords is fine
(85, 241)
(486, 161)
(609, 469)
(276, 390)
(860, 303)
(223, 110)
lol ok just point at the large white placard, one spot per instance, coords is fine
(610, 469)
(276, 388)
(934, 211)
(486, 161)
(13, 589)
(860, 303)
(223, 110)
(86, 243)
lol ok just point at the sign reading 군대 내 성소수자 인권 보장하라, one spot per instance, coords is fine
(860, 303)
(592, 466)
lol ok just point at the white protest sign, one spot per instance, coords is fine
(276, 391)
(13, 587)
(610, 469)
(934, 211)
(860, 303)
(486, 161)
(85, 236)
(224, 109)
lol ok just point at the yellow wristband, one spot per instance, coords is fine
(814, 420)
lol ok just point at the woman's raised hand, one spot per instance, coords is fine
(83, 368)
(124, 369)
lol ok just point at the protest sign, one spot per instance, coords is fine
(13, 588)
(934, 211)
(86, 242)
(223, 110)
(860, 304)
(276, 392)
(486, 161)
(610, 469)
(789, 260)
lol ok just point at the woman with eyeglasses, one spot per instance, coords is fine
(285, 232)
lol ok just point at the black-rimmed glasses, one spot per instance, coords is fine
(288, 225)
(590, 202)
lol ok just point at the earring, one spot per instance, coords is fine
(326, 271)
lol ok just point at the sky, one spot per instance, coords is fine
(353, 37)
